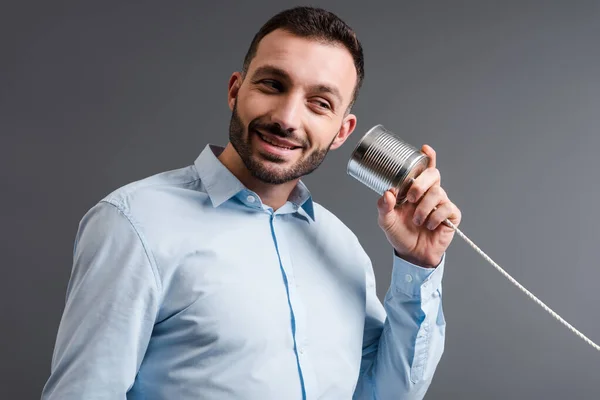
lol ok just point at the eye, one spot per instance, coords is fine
(321, 103)
(271, 84)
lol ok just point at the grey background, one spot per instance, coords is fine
(94, 96)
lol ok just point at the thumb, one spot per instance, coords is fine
(386, 203)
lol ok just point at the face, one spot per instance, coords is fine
(290, 108)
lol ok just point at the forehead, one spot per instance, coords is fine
(307, 61)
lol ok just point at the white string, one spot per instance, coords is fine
(517, 284)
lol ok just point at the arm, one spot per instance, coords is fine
(112, 301)
(403, 339)
(404, 342)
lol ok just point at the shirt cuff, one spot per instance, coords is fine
(415, 281)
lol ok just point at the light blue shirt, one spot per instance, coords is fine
(186, 286)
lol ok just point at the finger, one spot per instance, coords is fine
(456, 216)
(430, 152)
(428, 178)
(433, 198)
(386, 202)
(444, 211)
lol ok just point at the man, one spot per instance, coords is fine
(224, 280)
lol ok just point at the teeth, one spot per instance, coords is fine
(274, 144)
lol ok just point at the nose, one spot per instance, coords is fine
(287, 112)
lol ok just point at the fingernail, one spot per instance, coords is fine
(384, 199)
(411, 198)
(417, 221)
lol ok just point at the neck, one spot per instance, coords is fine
(272, 195)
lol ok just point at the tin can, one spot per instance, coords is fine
(382, 161)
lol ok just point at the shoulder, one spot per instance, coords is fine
(138, 214)
(149, 205)
(158, 191)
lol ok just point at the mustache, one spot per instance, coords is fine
(277, 130)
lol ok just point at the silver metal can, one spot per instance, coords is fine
(383, 161)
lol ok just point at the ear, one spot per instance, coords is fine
(235, 81)
(346, 129)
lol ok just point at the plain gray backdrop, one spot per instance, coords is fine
(96, 95)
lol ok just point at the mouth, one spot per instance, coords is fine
(277, 142)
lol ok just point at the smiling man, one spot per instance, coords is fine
(226, 280)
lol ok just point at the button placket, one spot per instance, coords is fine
(302, 345)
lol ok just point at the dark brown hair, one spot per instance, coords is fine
(318, 24)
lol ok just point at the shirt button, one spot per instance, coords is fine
(251, 199)
(408, 278)
(301, 351)
(436, 294)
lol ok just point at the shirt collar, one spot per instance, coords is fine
(221, 184)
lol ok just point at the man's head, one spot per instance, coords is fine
(291, 102)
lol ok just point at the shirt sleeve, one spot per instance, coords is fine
(403, 339)
(111, 305)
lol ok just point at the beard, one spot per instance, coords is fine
(240, 139)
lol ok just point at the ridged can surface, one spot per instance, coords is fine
(383, 161)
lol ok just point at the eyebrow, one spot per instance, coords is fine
(278, 72)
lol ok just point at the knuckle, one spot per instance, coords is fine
(443, 193)
(438, 191)
(416, 191)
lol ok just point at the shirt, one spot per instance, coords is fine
(184, 285)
